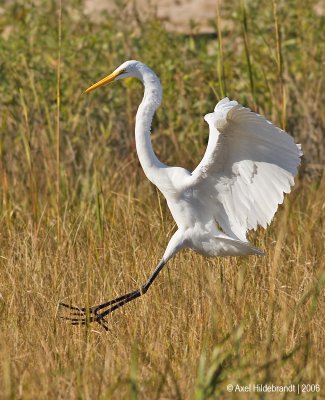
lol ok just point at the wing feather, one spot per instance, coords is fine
(248, 166)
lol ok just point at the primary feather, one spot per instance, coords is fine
(247, 167)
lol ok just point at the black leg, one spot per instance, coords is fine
(94, 309)
(83, 315)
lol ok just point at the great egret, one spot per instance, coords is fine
(248, 165)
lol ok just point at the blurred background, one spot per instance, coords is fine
(271, 60)
(177, 16)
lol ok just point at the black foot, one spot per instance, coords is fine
(84, 315)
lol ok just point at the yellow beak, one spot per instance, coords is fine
(103, 81)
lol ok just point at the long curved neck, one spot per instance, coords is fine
(150, 102)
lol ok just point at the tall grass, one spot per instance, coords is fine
(81, 223)
(58, 126)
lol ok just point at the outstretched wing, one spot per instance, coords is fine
(248, 165)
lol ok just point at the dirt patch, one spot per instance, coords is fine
(178, 15)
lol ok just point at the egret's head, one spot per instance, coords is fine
(125, 70)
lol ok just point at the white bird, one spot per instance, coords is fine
(248, 166)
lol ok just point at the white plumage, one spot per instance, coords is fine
(248, 166)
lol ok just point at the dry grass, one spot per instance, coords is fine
(205, 322)
(271, 308)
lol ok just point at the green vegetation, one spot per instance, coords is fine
(80, 223)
